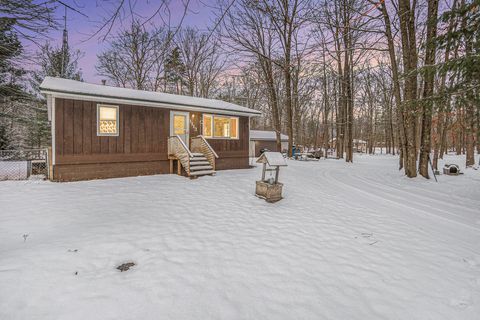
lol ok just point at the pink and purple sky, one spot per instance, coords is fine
(81, 29)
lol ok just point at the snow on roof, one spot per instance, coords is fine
(273, 159)
(266, 135)
(67, 86)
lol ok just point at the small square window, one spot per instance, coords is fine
(107, 120)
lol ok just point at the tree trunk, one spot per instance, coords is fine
(469, 133)
(429, 78)
(396, 87)
(409, 53)
(478, 132)
(348, 100)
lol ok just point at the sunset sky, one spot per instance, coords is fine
(80, 28)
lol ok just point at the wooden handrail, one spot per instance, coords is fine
(208, 145)
(201, 145)
(183, 145)
(178, 148)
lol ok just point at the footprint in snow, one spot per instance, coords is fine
(472, 261)
(367, 238)
(461, 302)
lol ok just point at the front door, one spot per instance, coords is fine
(179, 125)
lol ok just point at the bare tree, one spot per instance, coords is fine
(202, 60)
(32, 19)
(250, 32)
(134, 57)
(287, 17)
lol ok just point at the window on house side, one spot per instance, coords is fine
(220, 127)
(207, 126)
(234, 128)
(107, 120)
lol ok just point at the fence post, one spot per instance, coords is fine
(49, 164)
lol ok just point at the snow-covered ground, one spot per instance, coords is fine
(349, 241)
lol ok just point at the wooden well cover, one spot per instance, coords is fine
(272, 159)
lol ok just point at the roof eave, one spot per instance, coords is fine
(146, 102)
(268, 139)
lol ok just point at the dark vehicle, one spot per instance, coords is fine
(317, 154)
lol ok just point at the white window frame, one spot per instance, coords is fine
(212, 116)
(98, 121)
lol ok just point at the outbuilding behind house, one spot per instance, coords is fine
(260, 140)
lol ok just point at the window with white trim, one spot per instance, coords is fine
(107, 120)
(220, 127)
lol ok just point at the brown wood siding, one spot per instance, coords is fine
(90, 171)
(260, 144)
(139, 149)
(143, 134)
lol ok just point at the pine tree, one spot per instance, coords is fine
(465, 66)
(59, 62)
(11, 87)
(10, 49)
(174, 70)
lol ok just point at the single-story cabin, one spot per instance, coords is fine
(100, 131)
(260, 140)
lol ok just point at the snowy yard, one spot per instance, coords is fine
(349, 241)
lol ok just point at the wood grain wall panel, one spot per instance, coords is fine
(141, 129)
(68, 127)
(87, 128)
(59, 126)
(103, 144)
(155, 126)
(109, 170)
(121, 134)
(134, 131)
(95, 138)
(77, 127)
(270, 145)
(127, 121)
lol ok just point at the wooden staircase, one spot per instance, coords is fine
(199, 165)
(199, 161)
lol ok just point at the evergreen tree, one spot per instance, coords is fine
(466, 35)
(59, 62)
(12, 90)
(174, 70)
(10, 72)
(465, 66)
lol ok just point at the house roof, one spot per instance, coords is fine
(71, 88)
(266, 135)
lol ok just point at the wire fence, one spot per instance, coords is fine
(24, 164)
